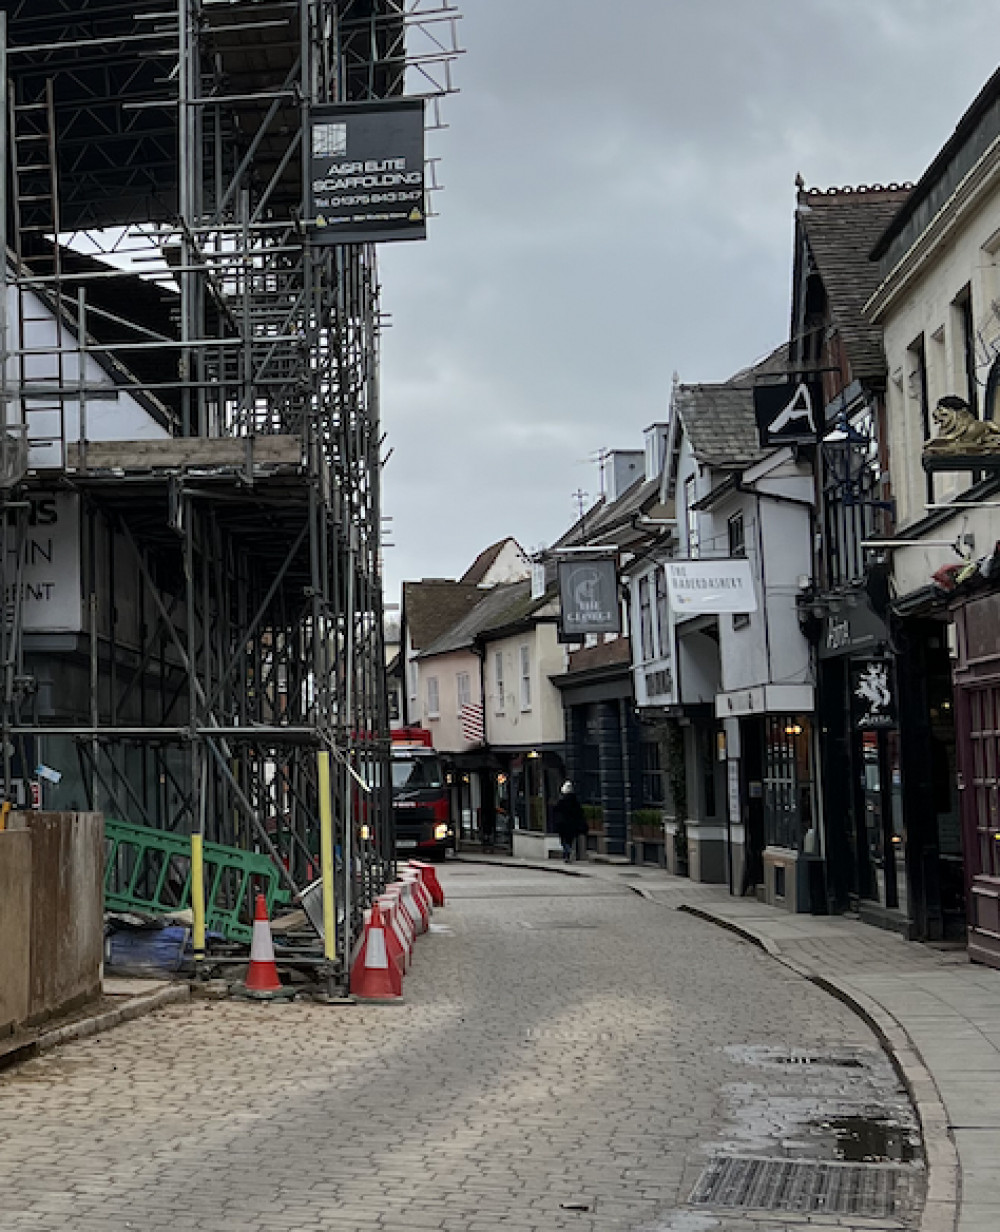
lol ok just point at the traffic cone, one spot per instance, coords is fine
(262, 975)
(428, 875)
(374, 976)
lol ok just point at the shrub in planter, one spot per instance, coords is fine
(594, 815)
(647, 824)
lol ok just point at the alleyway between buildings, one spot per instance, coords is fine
(570, 1054)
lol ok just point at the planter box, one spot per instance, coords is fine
(533, 845)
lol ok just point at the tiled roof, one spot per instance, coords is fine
(719, 423)
(719, 419)
(841, 226)
(432, 606)
(505, 604)
(477, 571)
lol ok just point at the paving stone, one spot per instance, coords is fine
(584, 1055)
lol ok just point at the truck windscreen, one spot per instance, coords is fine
(413, 773)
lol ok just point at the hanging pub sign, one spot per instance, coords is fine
(872, 693)
(366, 172)
(708, 587)
(588, 595)
(789, 412)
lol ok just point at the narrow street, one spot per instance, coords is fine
(569, 1055)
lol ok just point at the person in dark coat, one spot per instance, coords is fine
(570, 823)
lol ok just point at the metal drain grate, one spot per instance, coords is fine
(806, 1186)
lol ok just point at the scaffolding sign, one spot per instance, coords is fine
(366, 172)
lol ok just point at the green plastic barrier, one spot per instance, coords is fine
(149, 871)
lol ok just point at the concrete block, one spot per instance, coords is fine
(15, 928)
(67, 912)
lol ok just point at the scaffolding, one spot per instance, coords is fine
(227, 622)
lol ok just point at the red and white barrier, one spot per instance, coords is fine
(428, 875)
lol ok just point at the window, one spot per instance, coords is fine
(433, 707)
(918, 392)
(645, 620)
(737, 536)
(787, 787)
(738, 547)
(498, 681)
(965, 349)
(652, 775)
(463, 689)
(525, 656)
(662, 613)
(694, 542)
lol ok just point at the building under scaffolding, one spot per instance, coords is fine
(189, 423)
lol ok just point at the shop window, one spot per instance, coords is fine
(787, 785)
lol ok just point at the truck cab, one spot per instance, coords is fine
(421, 799)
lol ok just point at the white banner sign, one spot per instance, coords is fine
(50, 566)
(710, 586)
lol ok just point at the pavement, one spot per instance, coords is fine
(121, 1000)
(936, 1014)
(569, 1056)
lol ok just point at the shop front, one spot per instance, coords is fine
(977, 704)
(859, 741)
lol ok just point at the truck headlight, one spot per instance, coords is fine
(441, 831)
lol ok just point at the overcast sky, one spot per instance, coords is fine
(619, 187)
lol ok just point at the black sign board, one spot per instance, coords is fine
(872, 694)
(366, 172)
(791, 411)
(588, 592)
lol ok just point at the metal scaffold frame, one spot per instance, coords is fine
(230, 622)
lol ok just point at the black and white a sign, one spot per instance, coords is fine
(791, 411)
(588, 592)
(873, 696)
(366, 172)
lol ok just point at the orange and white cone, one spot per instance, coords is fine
(374, 975)
(262, 974)
(428, 875)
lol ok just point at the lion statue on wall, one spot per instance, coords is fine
(960, 432)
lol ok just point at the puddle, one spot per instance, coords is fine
(861, 1139)
(838, 1104)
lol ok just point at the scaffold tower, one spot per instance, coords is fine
(189, 424)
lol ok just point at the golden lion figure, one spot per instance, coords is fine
(960, 432)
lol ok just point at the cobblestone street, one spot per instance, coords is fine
(569, 1055)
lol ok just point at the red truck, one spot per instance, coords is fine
(421, 798)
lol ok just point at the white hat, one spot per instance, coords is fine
(566, 788)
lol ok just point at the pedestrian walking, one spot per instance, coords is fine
(569, 820)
